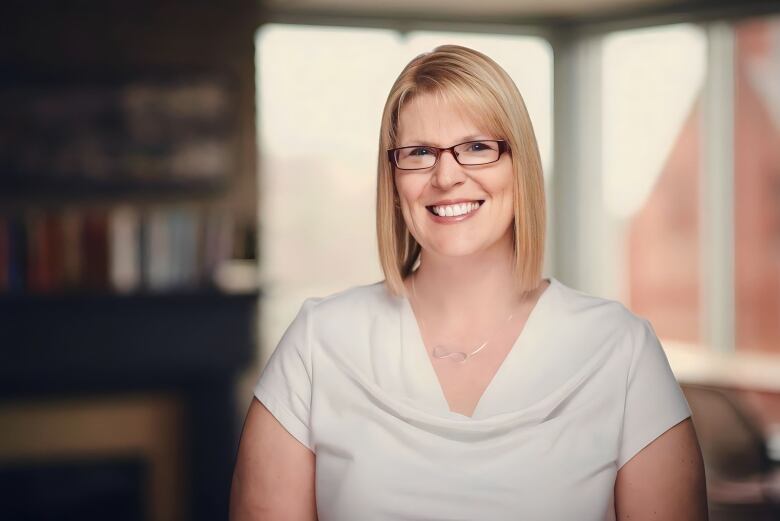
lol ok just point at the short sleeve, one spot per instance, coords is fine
(284, 386)
(654, 400)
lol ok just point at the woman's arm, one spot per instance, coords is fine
(274, 474)
(665, 480)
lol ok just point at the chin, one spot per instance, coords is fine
(458, 249)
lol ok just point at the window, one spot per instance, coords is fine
(757, 185)
(651, 148)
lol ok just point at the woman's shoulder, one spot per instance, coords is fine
(349, 316)
(596, 313)
(593, 326)
(353, 302)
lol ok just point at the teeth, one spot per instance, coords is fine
(453, 210)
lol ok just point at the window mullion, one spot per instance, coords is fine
(717, 192)
(576, 185)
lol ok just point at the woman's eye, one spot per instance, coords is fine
(419, 151)
(479, 146)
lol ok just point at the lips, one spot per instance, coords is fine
(452, 202)
(455, 219)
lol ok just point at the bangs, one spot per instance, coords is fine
(480, 108)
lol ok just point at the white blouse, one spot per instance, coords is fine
(585, 387)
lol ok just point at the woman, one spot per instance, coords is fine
(464, 386)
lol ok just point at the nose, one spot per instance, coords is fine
(447, 172)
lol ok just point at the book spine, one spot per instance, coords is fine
(5, 253)
(17, 257)
(72, 249)
(96, 250)
(123, 246)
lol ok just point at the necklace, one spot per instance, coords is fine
(441, 352)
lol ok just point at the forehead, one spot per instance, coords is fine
(437, 120)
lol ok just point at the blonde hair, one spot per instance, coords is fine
(485, 92)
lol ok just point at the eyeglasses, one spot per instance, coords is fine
(419, 157)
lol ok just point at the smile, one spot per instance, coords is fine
(454, 212)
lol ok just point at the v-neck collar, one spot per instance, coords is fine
(420, 377)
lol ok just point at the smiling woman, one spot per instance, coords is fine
(464, 385)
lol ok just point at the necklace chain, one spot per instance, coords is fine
(459, 356)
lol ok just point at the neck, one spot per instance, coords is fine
(467, 289)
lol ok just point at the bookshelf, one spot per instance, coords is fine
(127, 183)
(116, 214)
(109, 185)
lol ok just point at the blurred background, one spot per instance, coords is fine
(176, 177)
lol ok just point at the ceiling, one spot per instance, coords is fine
(481, 9)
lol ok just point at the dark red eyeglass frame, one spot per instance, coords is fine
(503, 146)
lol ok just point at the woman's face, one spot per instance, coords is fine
(429, 121)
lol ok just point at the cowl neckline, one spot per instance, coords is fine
(422, 403)
(419, 364)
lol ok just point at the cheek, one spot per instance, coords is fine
(501, 186)
(406, 198)
(502, 191)
(408, 188)
(400, 184)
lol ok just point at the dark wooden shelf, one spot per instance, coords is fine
(83, 342)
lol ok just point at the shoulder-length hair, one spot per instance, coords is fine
(486, 93)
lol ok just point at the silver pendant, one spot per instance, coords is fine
(443, 352)
(457, 356)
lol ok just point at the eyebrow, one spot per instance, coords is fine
(426, 143)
